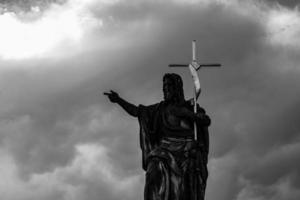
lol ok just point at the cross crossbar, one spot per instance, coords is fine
(194, 62)
(201, 65)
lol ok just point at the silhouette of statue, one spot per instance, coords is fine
(175, 164)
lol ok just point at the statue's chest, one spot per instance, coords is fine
(176, 121)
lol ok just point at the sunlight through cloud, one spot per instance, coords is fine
(60, 23)
(284, 27)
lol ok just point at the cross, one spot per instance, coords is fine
(194, 66)
(194, 62)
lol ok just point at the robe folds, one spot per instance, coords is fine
(176, 167)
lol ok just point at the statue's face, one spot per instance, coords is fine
(168, 89)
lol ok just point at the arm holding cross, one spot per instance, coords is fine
(194, 66)
(200, 117)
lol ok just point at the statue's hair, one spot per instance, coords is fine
(178, 85)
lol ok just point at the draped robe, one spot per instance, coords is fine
(175, 165)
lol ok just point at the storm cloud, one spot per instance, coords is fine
(62, 139)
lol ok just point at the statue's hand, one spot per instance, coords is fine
(201, 116)
(113, 96)
(204, 119)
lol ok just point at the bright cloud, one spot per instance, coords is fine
(39, 38)
(70, 182)
(283, 26)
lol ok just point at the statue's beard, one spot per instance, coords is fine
(172, 97)
(167, 96)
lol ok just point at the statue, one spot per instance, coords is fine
(175, 163)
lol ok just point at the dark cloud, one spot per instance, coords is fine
(263, 172)
(287, 3)
(27, 5)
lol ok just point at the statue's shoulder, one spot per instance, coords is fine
(152, 108)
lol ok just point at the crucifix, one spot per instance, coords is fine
(194, 66)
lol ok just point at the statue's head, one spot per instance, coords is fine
(173, 88)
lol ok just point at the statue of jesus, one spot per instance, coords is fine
(175, 164)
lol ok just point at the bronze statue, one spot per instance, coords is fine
(175, 164)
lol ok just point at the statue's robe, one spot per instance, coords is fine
(175, 165)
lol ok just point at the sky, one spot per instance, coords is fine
(60, 137)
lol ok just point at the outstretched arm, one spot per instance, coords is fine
(128, 107)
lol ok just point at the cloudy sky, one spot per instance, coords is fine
(61, 139)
